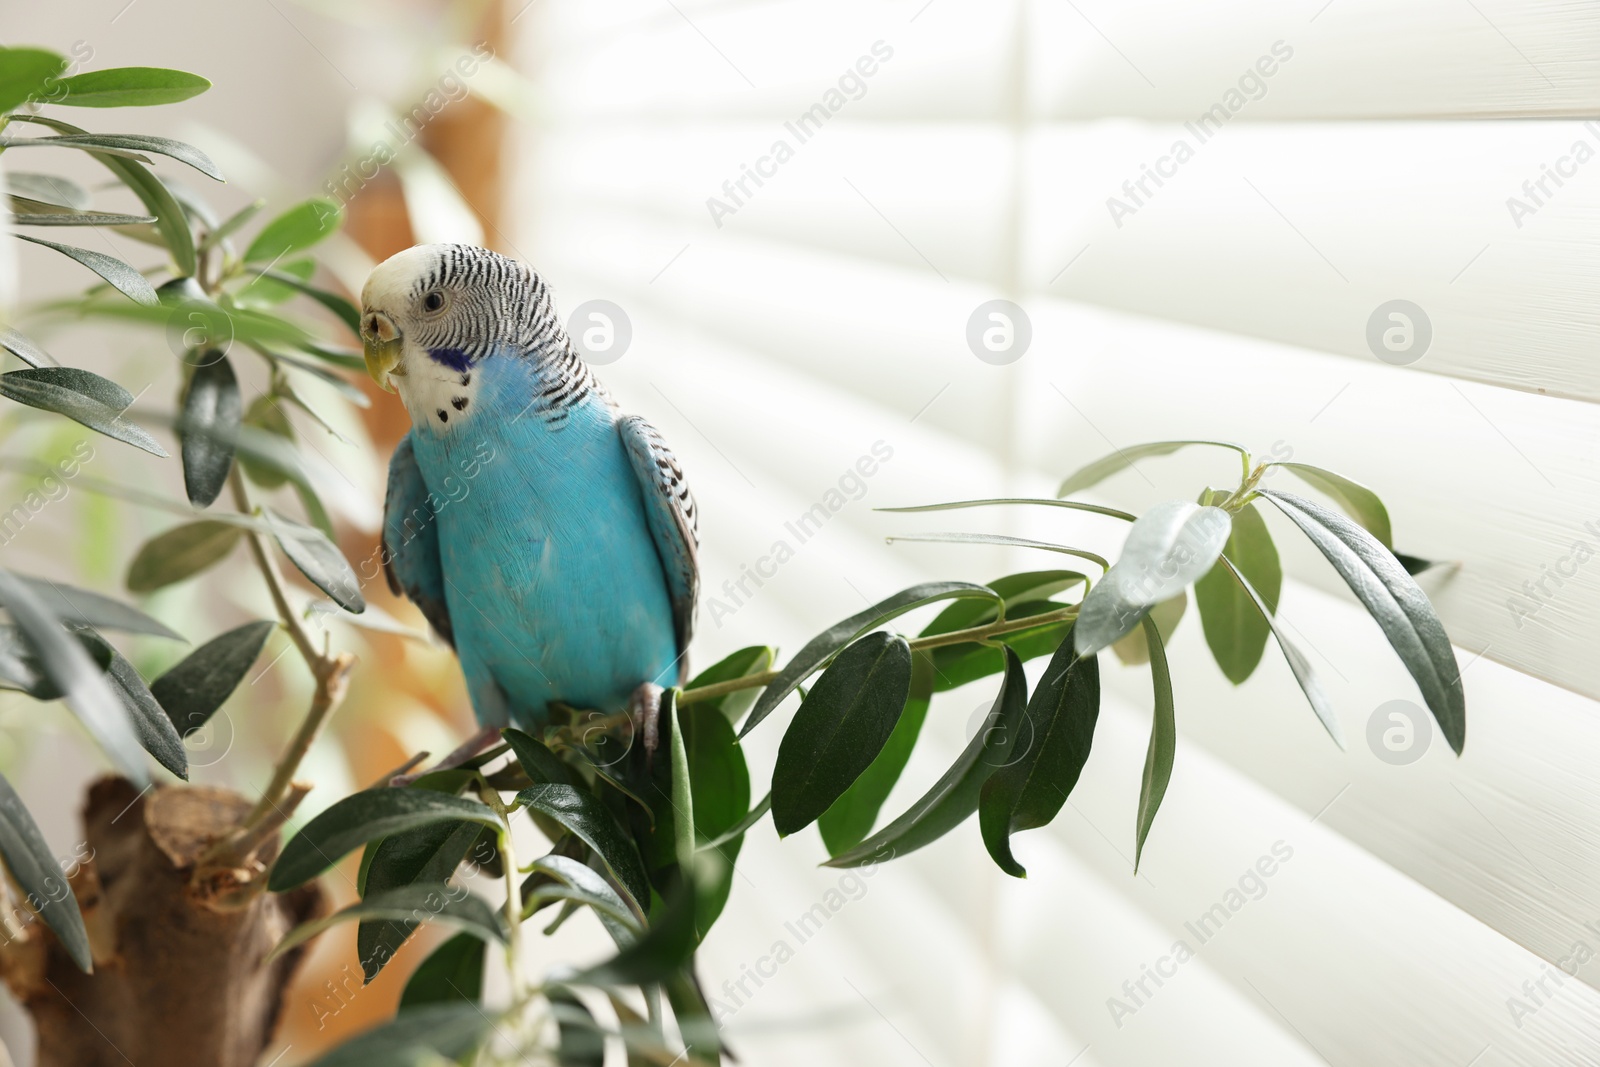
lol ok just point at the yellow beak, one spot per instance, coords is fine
(380, 343)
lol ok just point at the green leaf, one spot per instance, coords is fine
(1235, 630)
(720, 782)
(1044, 763)
(666, 946)
(34, 868)
(82, 396)
(150, 721)
(297, 228)
(51, 188)
(267, 417)
(347, 312)
(742, 827)
(419, 1037)
(1393, 598)
(1170, 546)
(1132, 649)
(27, 74)
(193, 690)
(27, 212)
(999, 539)
(129, 145)
(156, 197)
(850, 818)
(957, 665)
(438, 903)
(584, 815)
(1123, 458)
(1013, 589)
(536, 759)
(1163, 741)
(452, 974)
(826, 644)
(129, 87)
(24, 349)
(757, 659)
(207, 427)
(231, 224)
(180, 553)
(124, 278)
(1296, 659)
(585, 885)
(363, 817)
(580, 1041)
(682, 794)
(955, 505)
(1359, 502)
(955, 795)
(840, 728)
(66, 665)
(424, 855)
(1416, 565)
(320, 560)
(73, 605)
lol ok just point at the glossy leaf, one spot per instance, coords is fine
(426, 855)
(27, 74)
(1170, 546)
(584, 815)
(586, 885)
(1044, 764)
(132, 145)
(181, 553)
(150, 720)
(743, 826)
(1359, 502)
(1235, 630)
(129, 87)
(82, 396)
(193, 690)
(666, 946)
(850, 819)
(156, 197)
(297, 228)
(536, 759)
(1163, 741)
(24, 349)
(451, 905)
(955, 795)
(1296, 659)
(367, 816)
(420, 1037)
(841, 726)
(346, 312)
(826, 644)
(51, 188)
(84, 608)
(320, 560)
(452, 974)
(1123, 458)
(1393, 598)
(1132, 649)
(33, 867)
(124, 278)
(755, 659)
(67, 666)
(207, 427)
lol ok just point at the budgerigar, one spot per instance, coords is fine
(548, 538)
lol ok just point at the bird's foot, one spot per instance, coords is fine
(474, 745)
(644, 706)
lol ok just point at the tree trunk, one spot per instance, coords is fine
(180, 976)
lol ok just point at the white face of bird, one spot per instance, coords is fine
(429, 315)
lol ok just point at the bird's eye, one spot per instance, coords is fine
(433, 301)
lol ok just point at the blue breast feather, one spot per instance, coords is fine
(553, 585)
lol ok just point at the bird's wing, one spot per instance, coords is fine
(669, 509)
(411, 541)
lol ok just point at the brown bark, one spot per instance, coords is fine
(180, 976)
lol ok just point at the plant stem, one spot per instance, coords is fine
(331, 673)
(513, 906)
(954, 637)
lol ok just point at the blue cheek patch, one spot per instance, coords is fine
(453, 358)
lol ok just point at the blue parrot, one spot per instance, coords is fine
(549, 539)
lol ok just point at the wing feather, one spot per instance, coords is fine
(670, 512)
(411, 541)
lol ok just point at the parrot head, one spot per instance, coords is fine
(432, 313)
